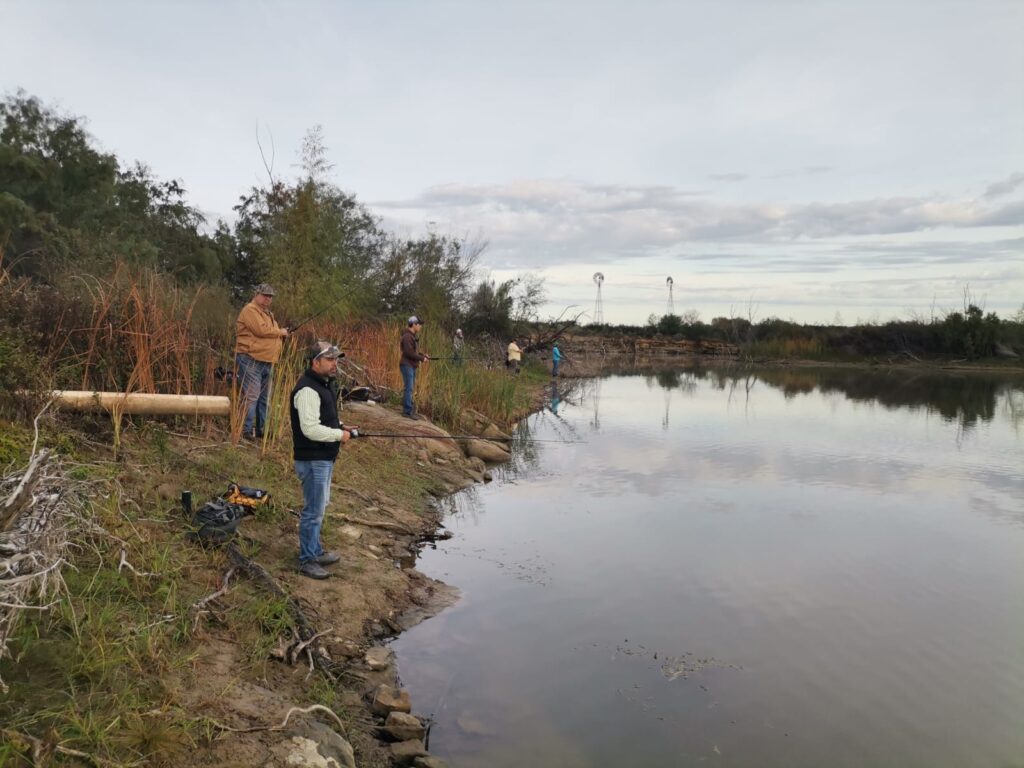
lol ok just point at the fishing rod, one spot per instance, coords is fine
(361, 434)
(336, 302)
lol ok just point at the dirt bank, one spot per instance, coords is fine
(227, 663)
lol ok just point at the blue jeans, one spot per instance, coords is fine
(554, 367)
(315, 477)
(409, 380)
(254, 378)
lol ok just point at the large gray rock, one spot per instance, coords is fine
(313, 745)
(401, 726)
(405, 752)
(489, 452)
(387, 700)
(379, 657)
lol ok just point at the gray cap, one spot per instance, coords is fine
(265, 288)
(415, 321)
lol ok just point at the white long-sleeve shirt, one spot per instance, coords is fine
(307, 403)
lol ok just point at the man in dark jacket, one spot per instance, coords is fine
(411, 359)
(317, 436)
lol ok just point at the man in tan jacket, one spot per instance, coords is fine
(257, 348)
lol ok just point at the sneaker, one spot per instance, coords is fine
(313, 570)
(328, 558)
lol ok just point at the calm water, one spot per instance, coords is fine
(772, 568)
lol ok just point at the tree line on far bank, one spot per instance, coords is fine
(969, 333)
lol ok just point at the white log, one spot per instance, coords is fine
(144, 403)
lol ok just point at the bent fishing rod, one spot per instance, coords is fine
(358, 433)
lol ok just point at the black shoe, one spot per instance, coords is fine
(313, 570)
(328, 558)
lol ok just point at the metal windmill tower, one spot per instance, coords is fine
(599, 304)
(670, 308)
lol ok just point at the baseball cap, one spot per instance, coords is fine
(265, 288)
(324, 349)
(414, 320)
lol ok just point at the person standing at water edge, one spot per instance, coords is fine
(258, 341)
(411, 359)
(458, 345)
(515, 354)
(317, 437)
(556, 358)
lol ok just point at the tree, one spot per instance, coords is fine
(64, 204)
(670, 325)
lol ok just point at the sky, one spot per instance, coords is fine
(814, 160)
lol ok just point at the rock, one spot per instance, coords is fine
(405, 752)
(429, 762)
(488, 477)
(495, 433)
(314, 745)
(350, 532)
(476, 464)
(401, 726)
(378, 658)
(387, 700)
(487, 451)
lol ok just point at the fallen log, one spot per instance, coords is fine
(143, 403)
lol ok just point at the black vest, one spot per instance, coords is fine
(304, 449)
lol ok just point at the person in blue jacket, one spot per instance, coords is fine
(556, 358)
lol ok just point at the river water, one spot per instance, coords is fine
(745, 568)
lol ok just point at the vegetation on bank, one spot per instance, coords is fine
(970, 333)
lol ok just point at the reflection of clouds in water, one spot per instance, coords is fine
(621, 469)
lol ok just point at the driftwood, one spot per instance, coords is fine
(37, 515)
(144, 403)
(307, 633)
(284, 723)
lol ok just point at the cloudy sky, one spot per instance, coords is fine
(815, 160)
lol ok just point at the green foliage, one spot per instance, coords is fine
(670, 325)
(970, 333)
(66, 204)
(503, 310)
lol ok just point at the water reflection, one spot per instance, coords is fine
(966, 398)
(760, 567)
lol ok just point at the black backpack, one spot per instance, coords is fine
(216, 521)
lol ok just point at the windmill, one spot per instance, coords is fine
(670, 308)
(599, 304)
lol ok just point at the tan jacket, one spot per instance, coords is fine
(514, 352)
(258, 334)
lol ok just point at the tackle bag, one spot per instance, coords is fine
(245, 496)
(216, 521)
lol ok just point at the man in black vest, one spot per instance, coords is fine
(317, 436)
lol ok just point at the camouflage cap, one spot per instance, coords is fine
(265, 288)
